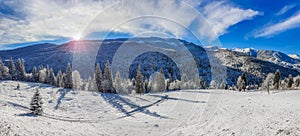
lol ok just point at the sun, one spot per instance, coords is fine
(76, 37)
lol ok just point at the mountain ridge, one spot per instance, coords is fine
(256, 64)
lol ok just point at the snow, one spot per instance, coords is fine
(73, 112)
(294, 56)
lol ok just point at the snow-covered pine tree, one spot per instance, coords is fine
(35, 75)
(90, 86)
(277, 79)
(197, 82)
(169, 81)
(98, 78)
(202, 83)
(52, 78)
(12, 69)
(118, 83)
(1, 70)
(107, 82)
(268, 82)
(184, 82)
(77, 81)
(139, 81)
(36, 103)
(297, 81)
(59, 79)
(47, 76)
(68, 77)
(239, 83)
(159, 84)
(244, 82)
(290, 81)
(21, 73)
(222, 85)
(213, 84)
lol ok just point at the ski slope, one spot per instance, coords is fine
(186, 112)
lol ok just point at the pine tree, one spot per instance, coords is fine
(197, 82)
(169, 81)
(1, 70)
(68, 77)
(290, 81)
(159, 83)
(98, 78)
(77, 81)
(36, 103)
(21, 73)
(35, 76)
(139, 81)
(90, 86)
(12, 69)
(244, 81)
(277, 78)
(297, 81)
(107, 82)
(52, 79)
(59, 79)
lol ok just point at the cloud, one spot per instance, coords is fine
(290, 23)
(221, 16)
(51, 19)
(285, 9)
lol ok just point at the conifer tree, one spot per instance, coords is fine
(98, 78)
(244, 82)
(36, 103)
(34, 74)
(21, 73)
(290, 81)
(59, 79)
(277, 79)
(159, 83)
(52, 79)
(12, 69)
(197, 82)
(68, 77)
(169, 80)
(2, 70)
(139, 81)
(107, 82)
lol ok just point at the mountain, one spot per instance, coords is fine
(279, 58)
(156, 53)
(294, 56)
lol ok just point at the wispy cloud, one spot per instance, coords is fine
(33, 20)
(289, 23)
(285, 9)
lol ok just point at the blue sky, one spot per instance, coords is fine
(236, 23)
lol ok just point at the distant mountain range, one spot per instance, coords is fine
(256, 63)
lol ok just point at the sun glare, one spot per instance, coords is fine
(76, 37)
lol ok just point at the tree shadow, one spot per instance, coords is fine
(63, 93)
(18, 105)
(177, 99)
(27, 115)
(194, 91)
(119, 102)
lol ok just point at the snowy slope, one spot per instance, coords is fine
(181, 113)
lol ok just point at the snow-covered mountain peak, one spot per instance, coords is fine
(248, 51)
(294, 56)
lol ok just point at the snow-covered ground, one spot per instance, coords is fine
(187, 112)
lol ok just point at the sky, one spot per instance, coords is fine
(259, 24)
